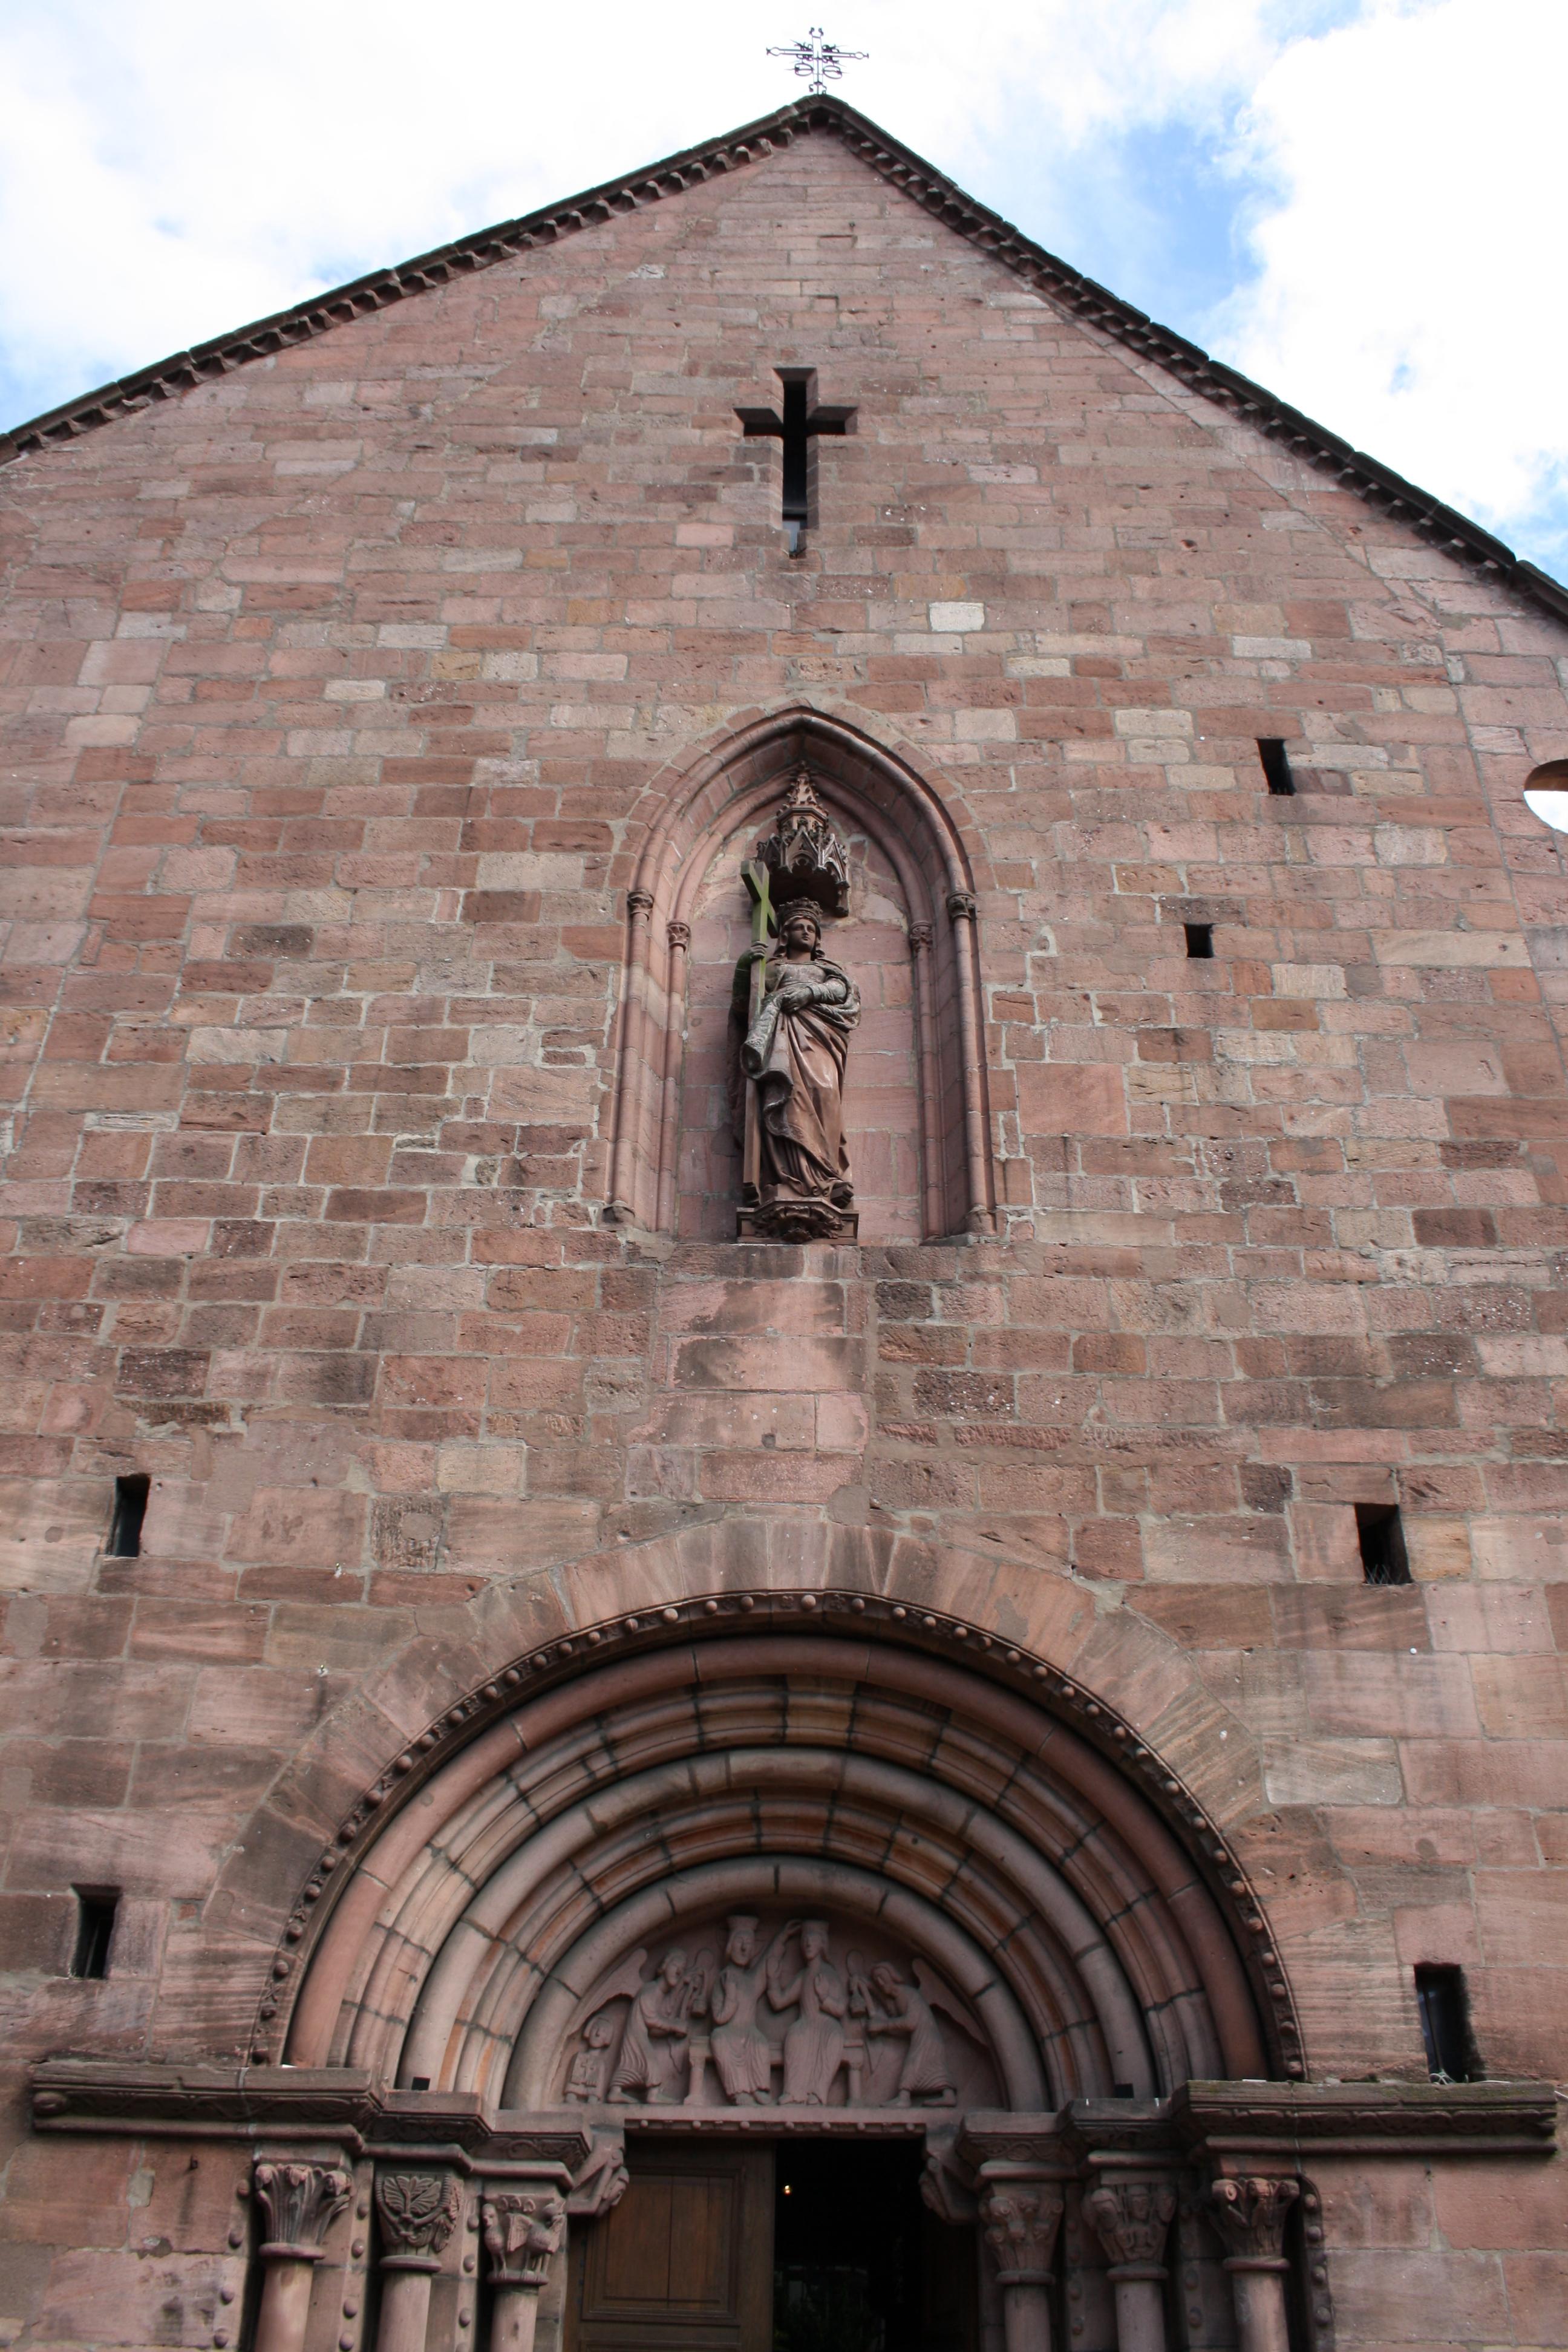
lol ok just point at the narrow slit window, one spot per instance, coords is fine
(1384, 1558)
(1200, 940)
(129, 1510)
(1276, 765)
(95, 1910)
(1444, 2001)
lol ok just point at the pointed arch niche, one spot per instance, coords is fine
(916, 1102)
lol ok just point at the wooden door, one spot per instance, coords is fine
(684, 2262)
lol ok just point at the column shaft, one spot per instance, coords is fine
(405, 2310)
(1140, 2314)
(516, 2318)
(1026, 2317)
(1260, 2321)
(285, 2304)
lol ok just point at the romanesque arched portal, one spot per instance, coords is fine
(743, 1873)
(734, 1875)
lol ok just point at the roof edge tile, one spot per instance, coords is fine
(1456, 534)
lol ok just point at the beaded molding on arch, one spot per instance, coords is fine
(556, 1660)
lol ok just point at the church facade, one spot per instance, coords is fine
(783, 1537)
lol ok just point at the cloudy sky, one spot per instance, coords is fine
(1355, 200)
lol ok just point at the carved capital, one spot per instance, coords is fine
(300, 2201)
(678, 935)
(1251, 2211)
(601, 2181)
(640, 905)
(417, 2212)
(961, 906)
(1021, 2221)
(920, 936)
(523, 2229)
(1131, 2219)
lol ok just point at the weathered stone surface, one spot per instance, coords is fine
(325, 792)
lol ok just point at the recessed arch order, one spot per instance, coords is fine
(872, 791)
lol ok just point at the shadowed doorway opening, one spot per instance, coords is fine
(804, 2245)
(859, 2263)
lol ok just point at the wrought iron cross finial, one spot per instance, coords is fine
(817, 62)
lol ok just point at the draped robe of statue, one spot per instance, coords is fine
(795, 1052)
(814, 2045)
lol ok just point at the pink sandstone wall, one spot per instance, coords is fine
(330, 692)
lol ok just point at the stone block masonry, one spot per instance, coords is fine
(340, 694)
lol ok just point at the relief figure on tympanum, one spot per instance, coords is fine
(654, 2045)
(901, 2009)
(814, 2044)
(750, 2010)
(590, 2063)
(742, 2051)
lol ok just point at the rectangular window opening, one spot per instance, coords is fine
(1200, 940)
(1384, 1558)
(1276, 765)
(95, 1910)
(1444, 2001)
(130, 1509)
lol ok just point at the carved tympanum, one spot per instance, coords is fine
(780, 2018)
(417, 2212)
(301, 2202)
(522, 2230)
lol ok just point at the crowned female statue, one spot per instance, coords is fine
(794, 1053)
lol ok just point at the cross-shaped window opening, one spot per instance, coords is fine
(798, 428)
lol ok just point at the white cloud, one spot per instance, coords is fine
(1411, 286)
(169, 170)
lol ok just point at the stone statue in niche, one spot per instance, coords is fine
(793, 1012)
(814, 2044)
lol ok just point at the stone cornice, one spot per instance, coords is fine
(319, 2105)
(1235, 2125)
(1441, 526)
(1428, 2119)
(1231, 2123)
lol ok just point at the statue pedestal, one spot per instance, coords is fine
(797, 1221)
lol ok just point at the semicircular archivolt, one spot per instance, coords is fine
(582, 1835)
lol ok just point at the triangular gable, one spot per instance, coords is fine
(1440, 526)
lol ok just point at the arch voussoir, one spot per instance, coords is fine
(721, 1721)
